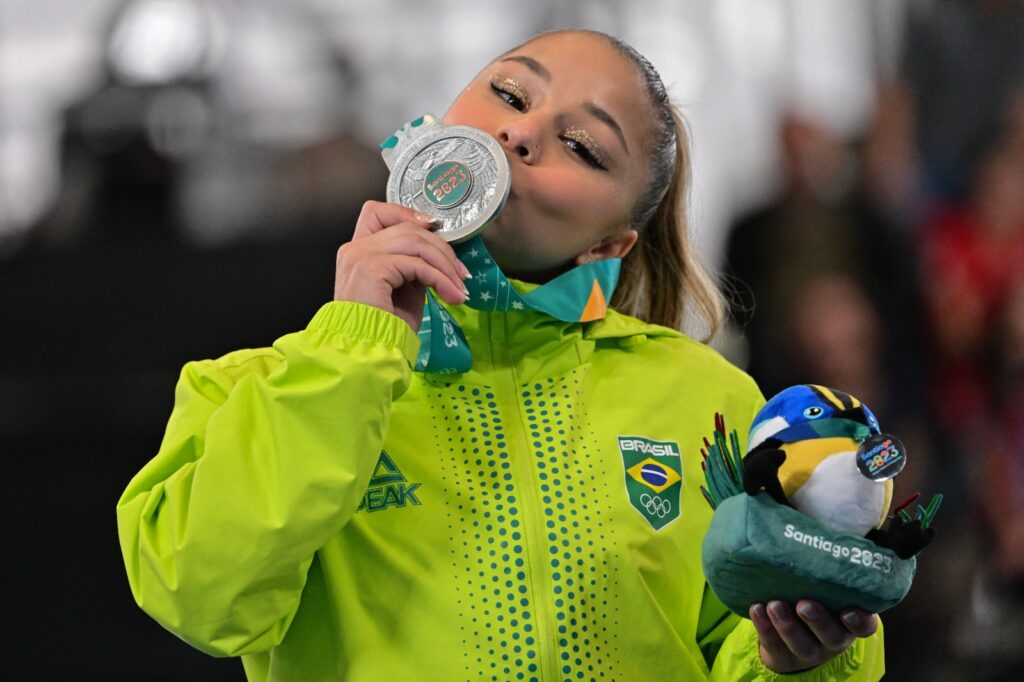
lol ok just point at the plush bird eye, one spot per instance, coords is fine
(813, 412)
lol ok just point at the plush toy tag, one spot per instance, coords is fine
(881, 457)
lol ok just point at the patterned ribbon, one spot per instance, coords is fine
(579, 295)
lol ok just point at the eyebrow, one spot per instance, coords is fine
(532, 64)
(606, 118)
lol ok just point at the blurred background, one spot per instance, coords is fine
(176, 175)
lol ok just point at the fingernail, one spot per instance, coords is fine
(780, 612)
(465, 291)
(424, 218)
(851, 619)
(757, 614)
(808, 611)
(466, 274)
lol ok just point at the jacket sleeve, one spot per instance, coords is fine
(730, 646)
(266, 455)
(739, 660)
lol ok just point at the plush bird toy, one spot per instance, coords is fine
(826, 472)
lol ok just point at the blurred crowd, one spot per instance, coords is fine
(892, 265)
(195, 213)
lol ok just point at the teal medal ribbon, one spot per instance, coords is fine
(579, 295)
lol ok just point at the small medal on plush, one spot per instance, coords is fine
(807, 512)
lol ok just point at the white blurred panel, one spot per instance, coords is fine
(157, 41)
(751, 34)
(832, 64)
(277, 79)
(50, 53)
(733, 65)
(28, 176)
(414, 57)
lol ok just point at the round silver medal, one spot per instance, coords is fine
(457, 174)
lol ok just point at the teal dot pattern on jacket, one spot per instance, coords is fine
(574, 525)
(489, 544)
(487, 541)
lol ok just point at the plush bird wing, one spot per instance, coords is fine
(722, 465)
(907, 535)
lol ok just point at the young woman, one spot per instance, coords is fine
(326, 511)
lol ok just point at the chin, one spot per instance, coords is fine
(492, 236)
(503, 239)
(496, 240)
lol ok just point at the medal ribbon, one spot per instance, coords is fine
(579, 295)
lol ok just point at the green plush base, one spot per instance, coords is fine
(757, 550)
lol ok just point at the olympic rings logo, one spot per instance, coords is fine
(656, 506)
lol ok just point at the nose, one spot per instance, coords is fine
(521, 136)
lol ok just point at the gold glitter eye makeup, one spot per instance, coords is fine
(585, 146)
(511, 91)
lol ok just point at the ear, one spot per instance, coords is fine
(614, 246)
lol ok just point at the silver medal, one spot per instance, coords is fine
(457, 174)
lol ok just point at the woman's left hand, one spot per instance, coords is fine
(799, 639)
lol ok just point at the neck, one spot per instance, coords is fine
(521, 271)
(539, 276)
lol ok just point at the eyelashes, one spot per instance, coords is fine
(578, 140)
(509, 90)
(582, 143)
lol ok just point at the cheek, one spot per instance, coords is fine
(468, 109)
(562, 194)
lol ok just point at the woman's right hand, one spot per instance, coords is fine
(392, 259)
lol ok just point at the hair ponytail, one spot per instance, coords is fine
(662, 273)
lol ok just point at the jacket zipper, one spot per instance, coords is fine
(533, 516)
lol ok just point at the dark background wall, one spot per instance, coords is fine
(92, 343)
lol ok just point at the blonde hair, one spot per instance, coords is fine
(662, 273)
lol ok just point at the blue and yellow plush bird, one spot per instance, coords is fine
(821, 452)
(802, 450)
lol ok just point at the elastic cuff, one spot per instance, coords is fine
(838, 668)
(366, 323)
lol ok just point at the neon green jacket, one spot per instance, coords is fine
(325, 513)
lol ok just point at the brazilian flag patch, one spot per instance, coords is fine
(654, 475)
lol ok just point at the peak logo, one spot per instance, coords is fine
(388, 488)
